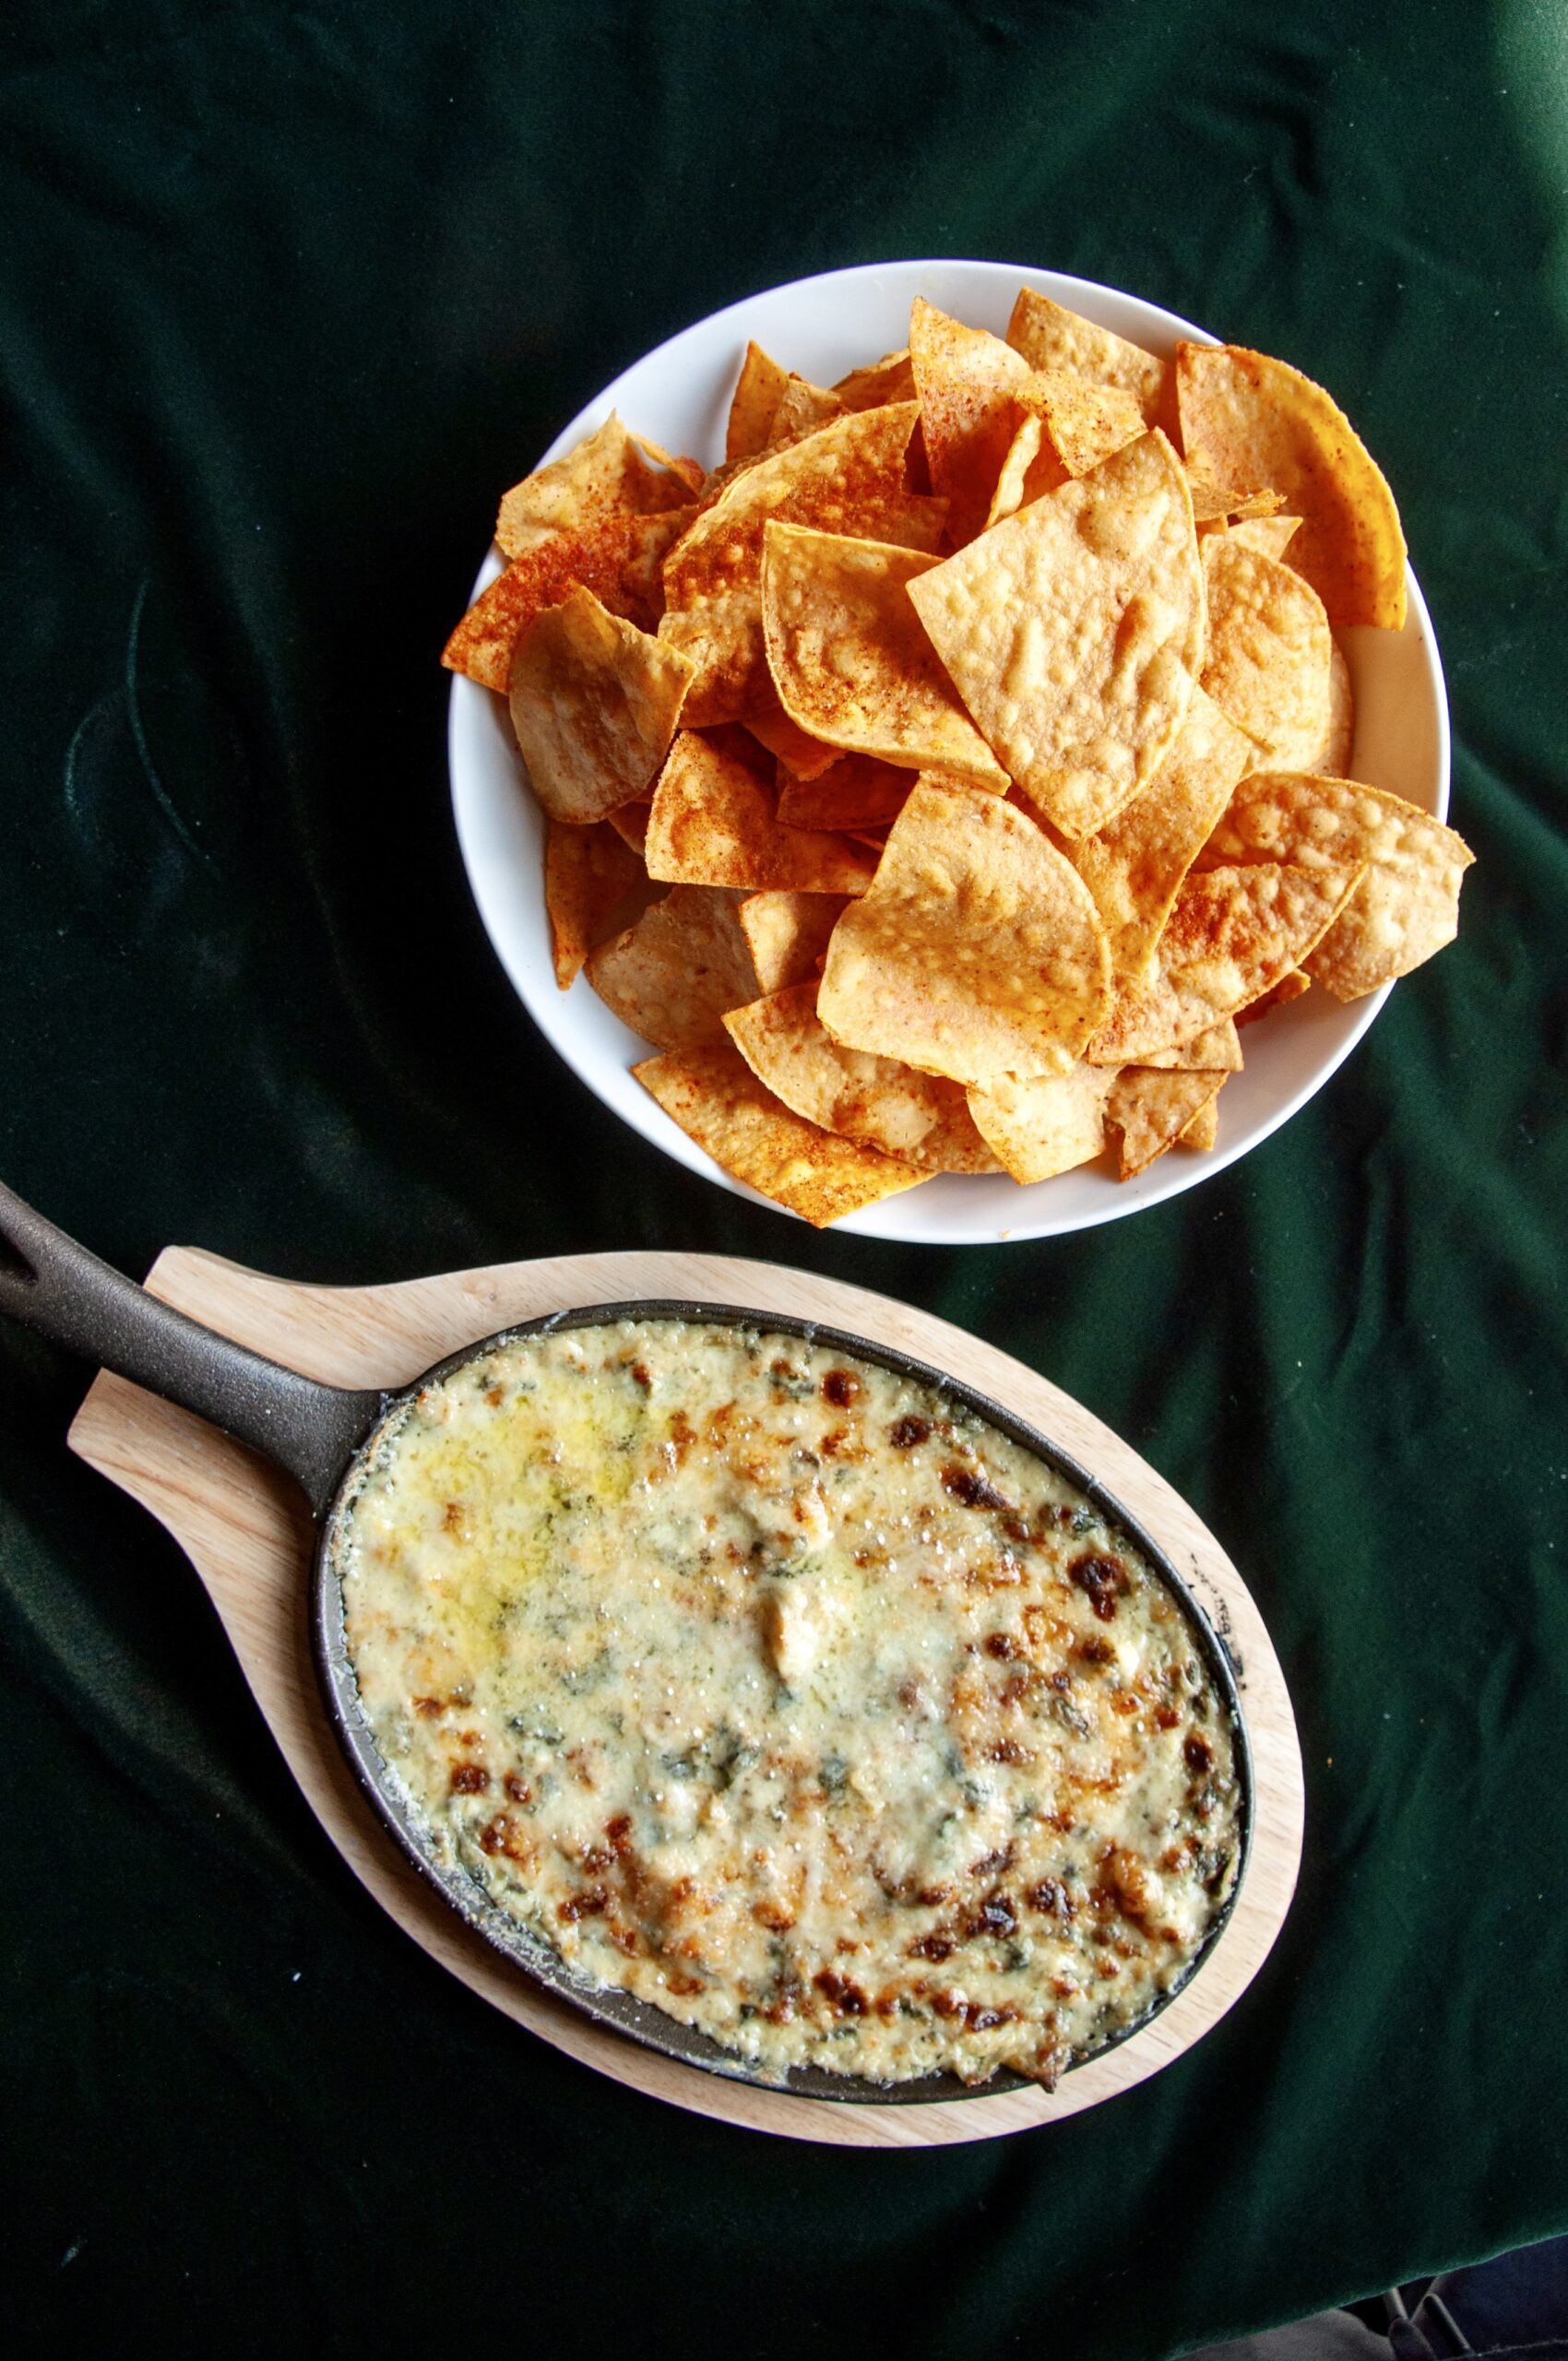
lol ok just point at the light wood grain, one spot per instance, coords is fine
(248, 1533)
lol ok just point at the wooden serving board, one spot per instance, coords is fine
(249, 1535)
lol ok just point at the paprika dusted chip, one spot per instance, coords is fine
(594, 886)
(1135, 865)
(630, 823)
(619, 559)
(851, 660)
(1045, 1125)
(1290, 987)
(1232, 936)
(848, 478)
(1407, 906)
(966, 380)
(787, 934)
(1258, 423)
(1084, 421)
(977, 950)
(802, 756)
(1331, 757)
(1150, 1111)
(1272, 535)
(918, 1117)
(802, 407)
(1048, 337)
(1074, 632)
(1270, 652)
(753, 405)
(594, 702)
(1202, 1132)
(720, 1103)
(672, 975)
(714, 822)
(858, 793)
(891, 379)
(610, 472)
(1218, 1050)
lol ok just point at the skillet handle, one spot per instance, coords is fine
(52, 1284)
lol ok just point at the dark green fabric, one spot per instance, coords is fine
(287, 293)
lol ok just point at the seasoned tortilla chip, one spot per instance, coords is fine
(753, 405)
(1150, 1111)
(593, 887)
(714, 822)
(1134, 866)
(594, 703)
(719, 1102)
(1073, 632)
(847, 477)
(1218, 1050)
(1272, 535)
(891, 379)
(801, 409)
(630, 823)
(918, 1117)
(787, 934)
(1032, 469)
(858, 793)
(1255, 422)
(607, 473)
(978, 950)
(966, 380)
(1234, 934)
(619, 559)
(1046, 1125)
(803, 756)
(1202, 1132)
(851, 660)
(1049, 338)
(1270, 651)
(1331, 757)
(1214, 504)
(1290, 987)
(1084, 421)
(672, 975)
(1407, 906)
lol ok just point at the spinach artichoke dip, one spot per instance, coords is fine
(785, 1692)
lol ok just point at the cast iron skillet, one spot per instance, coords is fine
(323, 1435)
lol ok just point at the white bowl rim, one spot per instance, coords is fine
(933, 1213)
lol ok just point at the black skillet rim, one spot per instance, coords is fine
(642, 2020)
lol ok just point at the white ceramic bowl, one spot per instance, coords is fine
(680, 395)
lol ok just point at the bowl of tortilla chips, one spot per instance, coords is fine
(914, 723)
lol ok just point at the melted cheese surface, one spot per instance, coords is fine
(786, 1693)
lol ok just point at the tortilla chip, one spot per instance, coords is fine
(606, 474)
(1218, 1050)
(1214, 503)
(714, 822)
(753, 405)
(1085, 422)
(976, 951)
(801, 409)
(850, 661)
(1331, 757)
(891, 379)
(918, 1117)
(787, 934)
(1032, 469)
(1407, 906)
(1232, 935)
(1272, 535)
(847, 477)
(1135, 865)
(1270, 651)
(1253, 422)
(1049, 338)
(672, 975)
(720, 1103)
(1202, 1132)
(965, 380)
(594, 703)
(1046, 1125)
(1150, 1111)
(1290, 987)
(593, 887)
(619, 559)
(858, 793)
(630, 823)
(802, 756)
(1073, 632)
